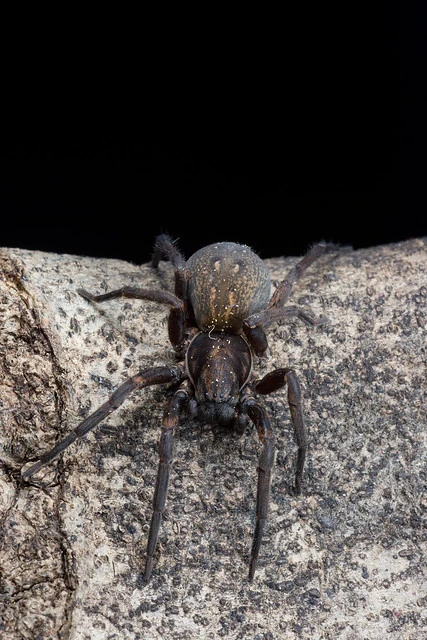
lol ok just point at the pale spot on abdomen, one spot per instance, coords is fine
(228, 283)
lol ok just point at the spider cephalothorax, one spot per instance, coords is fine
(217, 318)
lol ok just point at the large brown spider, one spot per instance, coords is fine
(217, 318)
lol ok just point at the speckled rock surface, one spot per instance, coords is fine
(345, 561)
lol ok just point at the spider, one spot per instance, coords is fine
(216, 323)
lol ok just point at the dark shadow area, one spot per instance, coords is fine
(328, 144)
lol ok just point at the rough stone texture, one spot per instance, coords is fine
(345, 561)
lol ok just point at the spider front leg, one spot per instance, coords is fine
(265, 465)
(169, 424)
(157, 375)
(276, 380)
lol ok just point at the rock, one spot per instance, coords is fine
(345, 560)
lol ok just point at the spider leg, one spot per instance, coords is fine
(273, 381)
(169, 424)
(269, 315)
(157, 375)
(295, 406)
(284, 289)
(254, 325)
(176, 322)
(165, 246)
(259, 417)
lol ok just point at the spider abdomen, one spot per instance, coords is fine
(228, 282)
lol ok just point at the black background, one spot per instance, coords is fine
(287, 140)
